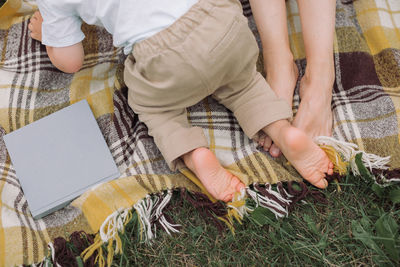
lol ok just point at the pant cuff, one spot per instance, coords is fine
(257, 113)
(181, 142)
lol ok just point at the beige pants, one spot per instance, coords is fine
(208, 51)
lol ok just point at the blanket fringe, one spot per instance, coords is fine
(210, 210)
(150, 214)
(266, 197)
(149, 211)
(159, 214)
(346, 155)
(299, 191)
(279, 200)
(385, 178)
(236, 210)
(53, 254)
(143, 210)
(238, 205)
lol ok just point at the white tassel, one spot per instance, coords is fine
(277, 194)
(349, 150)
(168, 227)
(373, 161)
(345, 149)
(387, 182)
(152, 214)
(354, 168)
(285, 193)
(47, 263)
(242, 210)
(53, 253)
(146, 214)
(270, 204)
(113, 224)
(143, 209)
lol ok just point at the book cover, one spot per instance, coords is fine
(59, 157)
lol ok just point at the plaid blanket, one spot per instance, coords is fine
(366, 106)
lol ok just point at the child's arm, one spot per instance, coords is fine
(68, 59)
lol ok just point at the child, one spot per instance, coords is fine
(318, 24)
(183, 51)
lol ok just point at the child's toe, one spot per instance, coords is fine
(330, 168)
(239, 186)
(261, 142)
(267, 143)
(228, 198)
(275, 151)
(322, 183)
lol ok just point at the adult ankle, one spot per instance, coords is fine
(317, 71)
(274, 59)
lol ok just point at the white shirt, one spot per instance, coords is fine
(129, 21)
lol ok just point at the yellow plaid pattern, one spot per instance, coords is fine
(367, 79)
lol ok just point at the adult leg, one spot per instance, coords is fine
(318, 24)
(257, 108)
(270, 17)
(257, 98)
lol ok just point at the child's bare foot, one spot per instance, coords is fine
(309, 160)
(315, 114)
(218, 182)
(282, 77)
(35, 26)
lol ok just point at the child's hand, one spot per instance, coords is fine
(35, 26)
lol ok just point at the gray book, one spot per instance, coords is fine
(59, 157)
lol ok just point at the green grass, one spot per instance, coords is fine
(359, 226)
(356, 228)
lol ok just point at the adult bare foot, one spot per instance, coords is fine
(309, 160)
(314, 115)
(282, 77)
(221, 184)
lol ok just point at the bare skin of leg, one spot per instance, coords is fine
(221, 184)
(280, 69)
(308, 159)
(318, 23)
